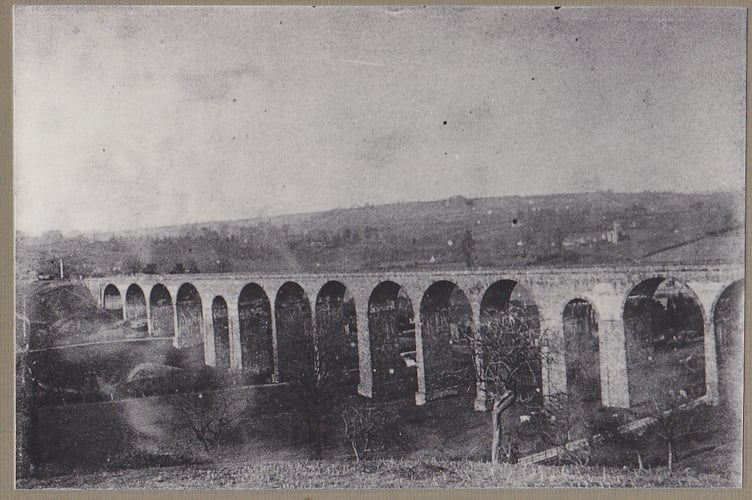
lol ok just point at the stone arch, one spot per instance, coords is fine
(337, 329)
(664, 340)
(447, 327)
(391, 327)
(292, 316)
(221, 328)
(190, 324)
(112, 301)
(502, 299)
(255, 328)
(162, 312)
(582, 355)
(728, 321)
(135, 308)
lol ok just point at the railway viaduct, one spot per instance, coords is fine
(224, 313)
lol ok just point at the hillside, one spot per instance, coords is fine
(452, 233)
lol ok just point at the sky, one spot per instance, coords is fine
(130, 117)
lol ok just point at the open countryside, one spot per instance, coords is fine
(226, 347)
(315, 247)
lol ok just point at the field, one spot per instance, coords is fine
(381, 474)
(444, 234)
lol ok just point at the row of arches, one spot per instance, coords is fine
(663, 326)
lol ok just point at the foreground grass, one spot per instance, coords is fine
(380, 474)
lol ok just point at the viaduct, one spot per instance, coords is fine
(237, 320)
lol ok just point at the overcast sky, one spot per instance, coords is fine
(128, 117)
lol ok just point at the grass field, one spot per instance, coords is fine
(381, 474)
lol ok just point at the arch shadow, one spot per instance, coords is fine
(664, 340)
(255, 329)
(337, 331)
(221, 328)
(391, 327)
(162, 311)
(447, 331)
(292, 315)
(189, 330)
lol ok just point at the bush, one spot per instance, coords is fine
(365, 427)
(210, 417)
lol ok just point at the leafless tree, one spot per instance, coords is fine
(314, 375)
(676, 419)
(554, 422)
(364, 428)
(467, 246)
(209, 416)
(606, 428)
(511, 350)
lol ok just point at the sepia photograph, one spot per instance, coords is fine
(378, 247)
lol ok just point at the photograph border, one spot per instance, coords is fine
(7, 292)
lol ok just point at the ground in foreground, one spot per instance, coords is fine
(381, 474)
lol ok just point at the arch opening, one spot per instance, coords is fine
(135, 308)
(728, 319)
(112, 301)
(190, 325)
(664, 335)
(221, 327)
(162, 312)
(447, 328)
(391, 326)
(337, 331)
(255, 328)
(292, 315)
(510, 322)
(582, 354)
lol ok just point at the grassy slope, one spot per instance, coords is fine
(407, 235)
(64, 313)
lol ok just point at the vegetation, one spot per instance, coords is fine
(314, 379)
(676, 422)
(209, 417)
(381, 474)
(365, 426)
(511, 351)
(453, 233)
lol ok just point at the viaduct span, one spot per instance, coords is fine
(239, 320)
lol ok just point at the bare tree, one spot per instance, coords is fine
(209, 416)
(554, 423)
(315, 375)
(467, 247)
(364, 428)
(607, 429)
(510, 349)
(675, 420)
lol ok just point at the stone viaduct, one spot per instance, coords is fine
(220, 302)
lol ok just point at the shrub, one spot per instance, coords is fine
(365, 427)
(209, 416)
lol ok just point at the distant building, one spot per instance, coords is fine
(613, 235)
(583, 241)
